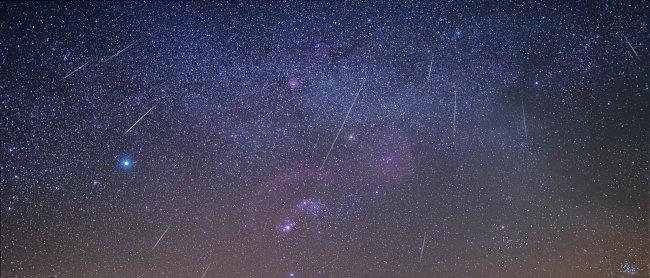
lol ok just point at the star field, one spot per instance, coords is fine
(324, 139)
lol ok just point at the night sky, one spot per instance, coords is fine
(324, 139)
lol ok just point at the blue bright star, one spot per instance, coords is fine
(126, 163)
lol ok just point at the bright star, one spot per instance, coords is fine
(126, 163)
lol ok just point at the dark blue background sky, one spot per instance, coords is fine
(488, 139)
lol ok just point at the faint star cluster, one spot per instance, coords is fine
(629, 269)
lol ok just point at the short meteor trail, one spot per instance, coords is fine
(454, 122)
(342, 124)
(71, 73)
(118, 53)
(424, 239)
(631, 47)
(136, 122)
(205, 271)
(430, 68)
(154, 247)
(523, 114)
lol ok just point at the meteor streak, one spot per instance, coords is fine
(342, 124)
(154, 247)
(424, 239)
(71, 73)
(454, 122)
(523, 114)
(205, 271)
(631, 47)
(430, 68)
(119, 52)
(140, 119)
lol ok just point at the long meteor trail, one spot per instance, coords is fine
(71, 73)
(119, 52)
(342, 124)
(136, 122)
(161, 237)
(631, 47)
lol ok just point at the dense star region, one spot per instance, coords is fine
(324, 139)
